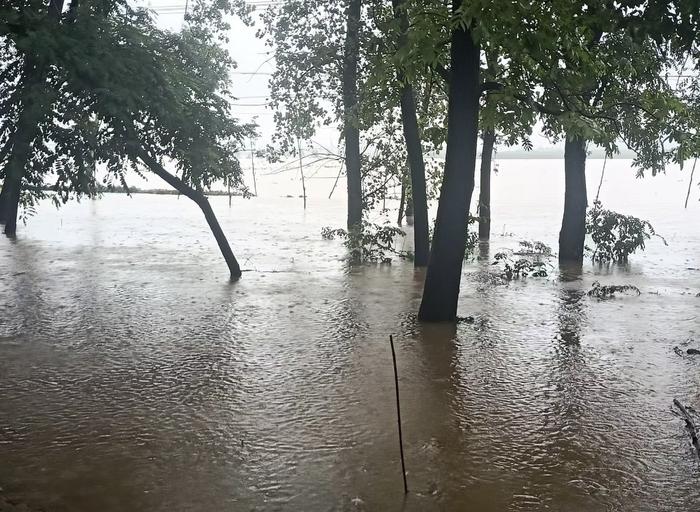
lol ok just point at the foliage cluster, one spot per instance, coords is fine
(372, 243)
(616, 236)
(533, 248)
(115, 82)
(531, 260)
(608, 291)
(516, 268)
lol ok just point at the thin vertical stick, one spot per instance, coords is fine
(690, 185)
(252, 164)
(602, 175)
(336, 179)
(301, 170)
(398, 413)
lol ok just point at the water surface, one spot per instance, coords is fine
(134, 376)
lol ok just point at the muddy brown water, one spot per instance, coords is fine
(134, 376)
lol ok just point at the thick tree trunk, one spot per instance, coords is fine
(350, 119)
(573, 226)
(34, 106)
(201, 201)
(489, 138)
(26, 132)
(414, 150)
(441, 291)
(4, 192)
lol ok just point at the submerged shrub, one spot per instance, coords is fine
(369, 244)
(608, 291)
(511, 268)
(533, 248)
(472, 238)
(616, 236)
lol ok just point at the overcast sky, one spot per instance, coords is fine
(250, 80)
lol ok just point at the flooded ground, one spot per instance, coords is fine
(134, 376)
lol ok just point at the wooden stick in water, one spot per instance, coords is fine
(690, 424)
(690, 185)
(398, 413)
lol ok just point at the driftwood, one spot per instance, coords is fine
(690, 424)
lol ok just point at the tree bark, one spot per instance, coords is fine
(33, 107)
(351, 115)
(573, 226)
(414, 149)
(402, 202)
(408, 209)
(4, 193)
(31, 112)
(201, 201)
(489, 139)
(441, 291)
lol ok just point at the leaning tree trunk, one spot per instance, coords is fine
(351, 115)
(489, 138)
(414, 149)
(201, 201)
(33, 108)
(441, 291)
(573, 226)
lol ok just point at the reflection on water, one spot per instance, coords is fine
(134, 376)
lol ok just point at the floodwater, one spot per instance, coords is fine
(134, 376)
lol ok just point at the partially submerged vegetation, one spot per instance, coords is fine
(530, 260)
(372, 243)
(616, 236)
(90, 92)
(603, 292)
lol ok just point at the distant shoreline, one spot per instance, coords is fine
(555, 154)
(168, 192)
(153, 191)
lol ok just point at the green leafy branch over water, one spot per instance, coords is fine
(370, 244)
(616, 236)
(375, 243)
(531, 261)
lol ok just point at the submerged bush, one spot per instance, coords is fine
(531, 261)
(533, 248)
(616, 236)
(472, 239)
(370, 244)
(608, 291)
(511, 268)
(375, 242)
